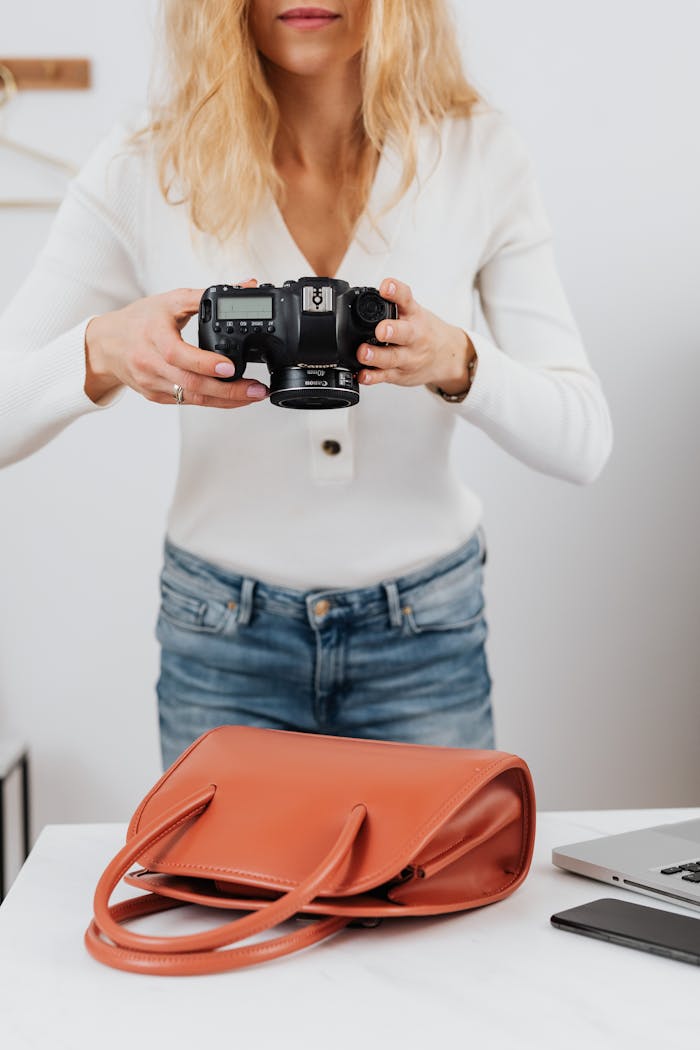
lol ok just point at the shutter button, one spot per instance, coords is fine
(331, 448)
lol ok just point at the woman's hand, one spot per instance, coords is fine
(424, 349)
(141, 346)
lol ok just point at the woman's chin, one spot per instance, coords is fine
(309, 59)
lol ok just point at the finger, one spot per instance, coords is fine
(200, 390)
(183, 302)
(369, 377)
(176, 353)
(199, 386)
(375, 376)
(214, 402)
(210, 402)
(207, 393)
(397, 332)
(399, 293)
(382, 357)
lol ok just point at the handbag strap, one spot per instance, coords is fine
(196, 953)
(194, 963)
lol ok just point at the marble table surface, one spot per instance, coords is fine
(500, 976)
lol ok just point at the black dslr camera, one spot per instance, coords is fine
(307, 333)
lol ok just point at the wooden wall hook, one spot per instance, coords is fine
(49, 74)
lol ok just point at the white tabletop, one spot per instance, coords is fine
(500, 977)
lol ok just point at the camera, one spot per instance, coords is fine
(307, 333)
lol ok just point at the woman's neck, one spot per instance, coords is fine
(318, 118)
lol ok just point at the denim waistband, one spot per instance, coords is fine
(207, 579)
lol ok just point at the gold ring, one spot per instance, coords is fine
(178, 393)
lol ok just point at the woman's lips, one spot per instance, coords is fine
(308, 17)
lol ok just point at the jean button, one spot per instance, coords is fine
(321, 607)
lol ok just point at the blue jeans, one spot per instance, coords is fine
(403, 660)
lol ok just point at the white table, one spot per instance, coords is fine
(501, 977)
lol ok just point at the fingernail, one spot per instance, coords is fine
(389, 331)
(369, 353)
(256, 391)
(225, 368)
(392, 287)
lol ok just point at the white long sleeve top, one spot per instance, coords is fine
(256, 493)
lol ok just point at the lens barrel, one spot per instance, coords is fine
(310, 388)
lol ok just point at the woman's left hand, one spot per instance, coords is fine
(424, 349)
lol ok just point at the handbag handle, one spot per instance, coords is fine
(196, 953)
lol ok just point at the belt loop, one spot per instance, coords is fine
(394, 603)
(245, 610)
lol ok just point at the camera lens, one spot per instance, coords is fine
(311, 388)
(370, 307)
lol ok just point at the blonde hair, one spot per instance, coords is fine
(215, 117)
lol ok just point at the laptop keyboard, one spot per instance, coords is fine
(692, 871)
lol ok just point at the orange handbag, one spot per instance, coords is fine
(281, 824)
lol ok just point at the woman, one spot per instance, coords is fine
(323, 569)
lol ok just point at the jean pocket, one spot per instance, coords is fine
(190, 611)
(455, 606)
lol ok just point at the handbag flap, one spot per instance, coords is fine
(282, 798)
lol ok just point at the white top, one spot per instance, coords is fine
(255, 491)
(499, 976)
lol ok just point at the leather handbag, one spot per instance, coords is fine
(278, 824)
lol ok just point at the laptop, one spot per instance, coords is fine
(662, 862)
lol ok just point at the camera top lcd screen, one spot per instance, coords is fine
(244, 308)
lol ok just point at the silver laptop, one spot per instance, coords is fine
(663, 861)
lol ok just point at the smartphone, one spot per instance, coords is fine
(635, 926)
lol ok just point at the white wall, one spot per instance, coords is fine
(595, 593)
(82, 520)
(592, 593)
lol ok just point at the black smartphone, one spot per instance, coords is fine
(635, 926)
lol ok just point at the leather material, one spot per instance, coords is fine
(278, 824)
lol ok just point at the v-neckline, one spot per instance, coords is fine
(287, 233)
(272, 242)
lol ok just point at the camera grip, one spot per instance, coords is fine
(233, 349)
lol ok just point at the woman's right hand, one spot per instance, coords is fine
(141, 346)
